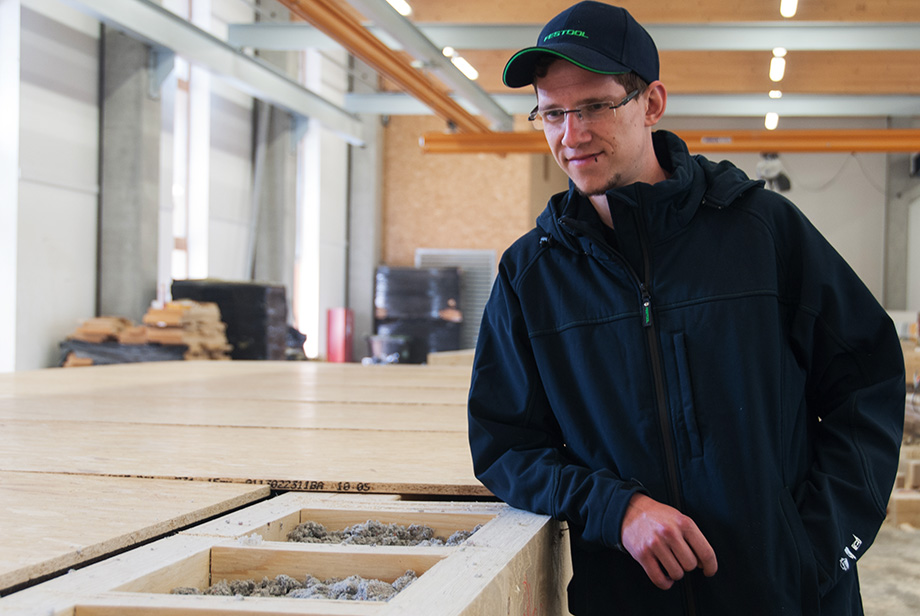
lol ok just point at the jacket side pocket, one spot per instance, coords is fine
(686, 396)
(808, 569)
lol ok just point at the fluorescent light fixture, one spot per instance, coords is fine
(776, 93)
(465, 67)
(461, 63)
(777, 68)
(771, 120)
(787, 8)
(402, 7)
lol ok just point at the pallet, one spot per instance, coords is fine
(507, 567)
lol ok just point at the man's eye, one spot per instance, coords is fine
(595, 108)
(553, 115)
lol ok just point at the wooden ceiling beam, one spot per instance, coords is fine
(858, 140)
(344, 27)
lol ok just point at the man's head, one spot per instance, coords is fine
(595, 36)
(595, 73)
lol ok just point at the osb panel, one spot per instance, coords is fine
(463, 201)
(665, 11)
(707, 72)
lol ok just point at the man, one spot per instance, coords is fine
(675, 362)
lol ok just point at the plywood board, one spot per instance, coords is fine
(200, 411)
(51, 522)
(322, 460)
(263, 379)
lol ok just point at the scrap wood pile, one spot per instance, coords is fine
(197, 326)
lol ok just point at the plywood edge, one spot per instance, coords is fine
(135, 604)
(508, 567)
(273, 519)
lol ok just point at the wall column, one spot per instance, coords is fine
(365, 199)
(130, 179)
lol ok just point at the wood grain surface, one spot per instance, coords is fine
(96, 459)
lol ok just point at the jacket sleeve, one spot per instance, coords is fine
(517, 446)
(854, 371)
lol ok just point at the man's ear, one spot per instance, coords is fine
(656, 100)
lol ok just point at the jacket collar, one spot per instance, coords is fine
(667, 206)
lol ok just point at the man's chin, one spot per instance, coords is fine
(595, 190)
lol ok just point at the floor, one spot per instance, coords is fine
(889, 573)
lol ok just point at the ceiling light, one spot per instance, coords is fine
(777, 68)
(461, 63)
(779, 52)
(402, 7)
(776, 93)
(465, 67)
(787, 8)
(771, 120)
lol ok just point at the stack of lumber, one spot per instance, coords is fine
(197, 325)
(110, 329)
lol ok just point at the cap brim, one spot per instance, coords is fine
(519, 71)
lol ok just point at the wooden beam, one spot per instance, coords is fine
(342, 26)
(818, 140)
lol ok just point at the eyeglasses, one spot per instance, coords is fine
(592, 112)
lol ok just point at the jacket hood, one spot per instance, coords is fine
(667, 206)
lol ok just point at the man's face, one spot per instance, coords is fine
(597, 156)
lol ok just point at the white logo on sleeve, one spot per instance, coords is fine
(850, 551)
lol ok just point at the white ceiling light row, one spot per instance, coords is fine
(787, 9)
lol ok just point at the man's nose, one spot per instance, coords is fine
(574, 129)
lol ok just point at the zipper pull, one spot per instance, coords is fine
(646, 306)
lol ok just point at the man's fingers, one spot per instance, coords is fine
(655, 572)
(665, 542)
(704, 554)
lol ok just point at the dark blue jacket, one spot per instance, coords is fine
(718, 355)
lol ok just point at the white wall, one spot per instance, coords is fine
(58, 187)
(230, 174)
(10, 11)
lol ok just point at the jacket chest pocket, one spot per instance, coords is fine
(682, 409)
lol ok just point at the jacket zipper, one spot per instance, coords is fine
(645, 311)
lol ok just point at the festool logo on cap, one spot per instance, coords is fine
(552, 35)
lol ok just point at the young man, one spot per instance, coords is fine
(675, 362)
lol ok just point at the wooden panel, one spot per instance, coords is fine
(50, 522)
(470, 202)
(746, 72)
(665, 11)
(122, 408)
(324, 460)
(273, 380)
(807, 72)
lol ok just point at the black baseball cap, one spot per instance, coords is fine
(598, 37)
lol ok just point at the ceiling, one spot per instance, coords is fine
(846, 58)
(850, 64)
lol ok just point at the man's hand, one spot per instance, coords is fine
(665, 542)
